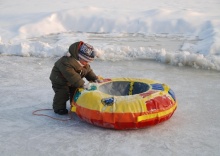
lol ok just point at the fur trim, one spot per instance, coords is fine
(68, 54)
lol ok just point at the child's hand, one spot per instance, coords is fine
(99, 79)
(86, 86)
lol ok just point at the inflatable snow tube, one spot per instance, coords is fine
(125, 103)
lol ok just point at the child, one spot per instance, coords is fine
(68, 73)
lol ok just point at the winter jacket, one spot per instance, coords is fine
(68, 71)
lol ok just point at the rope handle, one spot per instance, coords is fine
(72, 109)
(35, 113)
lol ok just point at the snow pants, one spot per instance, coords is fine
(62, 95)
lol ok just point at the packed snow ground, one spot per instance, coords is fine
(194, 128)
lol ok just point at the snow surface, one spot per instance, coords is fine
(132, 29)
(175, 42)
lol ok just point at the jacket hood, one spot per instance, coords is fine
(74, 49)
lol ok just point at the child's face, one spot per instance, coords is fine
(83, 62)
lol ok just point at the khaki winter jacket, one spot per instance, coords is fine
(67, 71)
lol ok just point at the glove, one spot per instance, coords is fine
(86, 86)
(99, 79)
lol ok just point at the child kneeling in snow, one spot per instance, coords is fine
(68, 73)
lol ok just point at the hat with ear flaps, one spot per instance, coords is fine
(82, 50)
(87, 52)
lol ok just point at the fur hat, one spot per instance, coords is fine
(87, 52)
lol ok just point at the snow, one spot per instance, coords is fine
(42, 32)
(174, 42)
